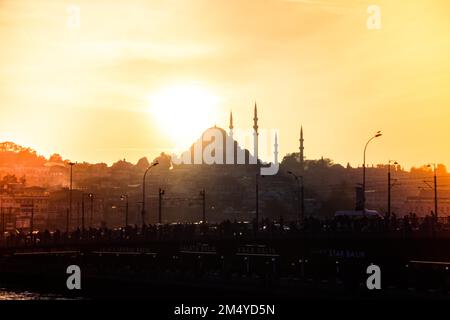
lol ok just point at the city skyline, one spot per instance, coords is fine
(178, 153)
(127, 82)
(204, 157)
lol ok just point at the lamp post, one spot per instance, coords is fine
(300, 196)
(32, 218)
(378, 134)
(257, 203)
(91, 197)
(203, 195)
(390, 185)
(143, 192)
(82, 213)
(435, 190)
(160, 197)
(122, 197)
(67, 221)
(71, 164)
(3, 220)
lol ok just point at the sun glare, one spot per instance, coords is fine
(183, 112)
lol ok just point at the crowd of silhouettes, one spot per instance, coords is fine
(408, 225)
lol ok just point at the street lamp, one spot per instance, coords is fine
(390, 185)
(203, 195)
(91, 197)
(161, 192)
(71, 164)
(257, 202)
(125, 197)
(378, 134)
(435, 190)
(143, 192)
(300, 196)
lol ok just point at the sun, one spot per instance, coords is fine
(183, 112)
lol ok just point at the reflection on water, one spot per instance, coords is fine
(8, 294)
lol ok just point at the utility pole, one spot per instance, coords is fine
(303, 199)
(435, 195)
(389, 190)
(126, 214)
(143, 193)
(390, 186)
(435, 190)
(71, 164)
(257, 203)
(10, 216)
(160, 198)
(378, 134)
(299, 210)
(91, 196)
(122, 197)
(32, 218)
(78, 214)
(203, 195)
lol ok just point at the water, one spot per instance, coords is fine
(10, 294)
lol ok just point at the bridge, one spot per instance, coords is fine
(284, 264)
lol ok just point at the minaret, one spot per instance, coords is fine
(275, 149)
(231, 124)
(255, 133)
(301, 148)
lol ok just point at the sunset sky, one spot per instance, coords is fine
(140, 77)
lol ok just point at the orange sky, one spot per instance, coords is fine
(88, 93)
